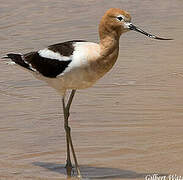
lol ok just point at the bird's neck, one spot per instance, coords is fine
(109, 49)
(109, 40)
(109, 45)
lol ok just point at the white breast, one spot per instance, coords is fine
(79, 74)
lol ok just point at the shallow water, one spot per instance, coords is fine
(127, 126)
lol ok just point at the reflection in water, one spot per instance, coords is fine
(89, 172)
(125, 127)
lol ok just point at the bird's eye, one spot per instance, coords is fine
(119, 18)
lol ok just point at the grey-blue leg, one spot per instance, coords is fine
(68, 137)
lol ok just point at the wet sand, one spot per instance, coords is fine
(129, 125)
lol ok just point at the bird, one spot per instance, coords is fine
(78, 64)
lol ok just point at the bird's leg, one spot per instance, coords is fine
(68, 131)
(68, 161)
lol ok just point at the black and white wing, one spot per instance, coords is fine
(49, 62)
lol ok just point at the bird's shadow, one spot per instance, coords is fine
(90, 172)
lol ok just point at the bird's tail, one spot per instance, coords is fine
(18, 59)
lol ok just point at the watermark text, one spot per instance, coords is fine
(163, 177)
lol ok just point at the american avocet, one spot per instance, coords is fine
(79, 64)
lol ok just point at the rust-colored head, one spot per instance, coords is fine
(114, 22)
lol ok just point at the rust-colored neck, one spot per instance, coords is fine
(109, 38)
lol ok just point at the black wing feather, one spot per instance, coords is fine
(47, 67)
(65, 48)
(18, 59)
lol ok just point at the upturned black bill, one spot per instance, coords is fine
(132, 27)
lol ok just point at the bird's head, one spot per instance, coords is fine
(116, 21)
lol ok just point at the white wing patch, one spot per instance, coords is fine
(46, 53)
